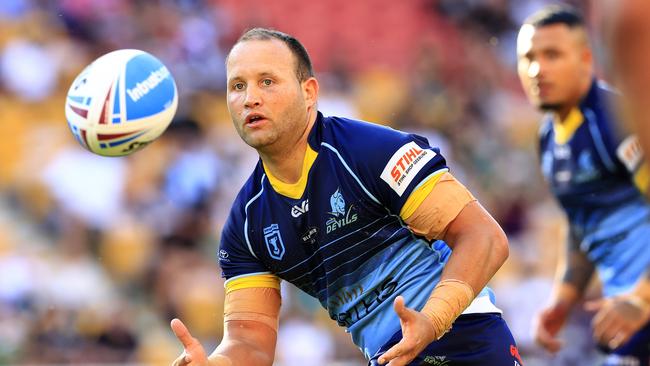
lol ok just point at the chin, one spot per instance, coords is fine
(549, 107)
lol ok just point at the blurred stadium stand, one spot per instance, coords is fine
(97, 254)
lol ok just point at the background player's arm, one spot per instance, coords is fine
(250, 331)
(573, 278)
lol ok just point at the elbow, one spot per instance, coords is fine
(500, 247)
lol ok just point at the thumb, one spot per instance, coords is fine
(400, 308)
(181, 332)
(594, 305)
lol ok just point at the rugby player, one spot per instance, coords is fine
(353, 214)
(595, 169)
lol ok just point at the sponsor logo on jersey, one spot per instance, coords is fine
(366, 304)
(296, 210)
(310, 235)
(404, 165)
(630, 153)
(223, 256)
(340, 217)
(436, 361)
(587, 170)
(345, 296)
(562, 152)
(274, 242)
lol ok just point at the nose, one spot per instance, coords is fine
(253, 98)
(534, 69)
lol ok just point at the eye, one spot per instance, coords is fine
(238, 86)
(267, 82)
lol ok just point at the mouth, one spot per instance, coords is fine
(254, 119)
(541, 88)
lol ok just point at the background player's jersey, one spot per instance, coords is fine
(341, 239)
(587, 161)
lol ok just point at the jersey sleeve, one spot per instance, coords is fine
(236, 258)
(392, 164)
(625, 145)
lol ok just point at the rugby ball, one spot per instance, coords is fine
(121, 102)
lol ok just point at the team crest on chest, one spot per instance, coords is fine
(274, 242)
(340, 217)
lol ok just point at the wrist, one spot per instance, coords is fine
(447, 301)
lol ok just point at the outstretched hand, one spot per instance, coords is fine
(417, 333)
(193, 353)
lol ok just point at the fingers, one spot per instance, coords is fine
(546, 327)
(392, 354)
(609, 327)
(182, 360)
(400, 308)
(181, 332)
(546, 340)
(594, 305)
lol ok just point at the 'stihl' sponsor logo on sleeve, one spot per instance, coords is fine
(404, 165)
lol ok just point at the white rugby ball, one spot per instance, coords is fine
(121, 102)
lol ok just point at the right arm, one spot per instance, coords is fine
(250, 331)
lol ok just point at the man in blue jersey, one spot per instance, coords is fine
(596, 171)
(351, 213)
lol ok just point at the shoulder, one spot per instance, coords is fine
(347, 130)
(357, 139)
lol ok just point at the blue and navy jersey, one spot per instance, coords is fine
(341, 240)
(587, 161)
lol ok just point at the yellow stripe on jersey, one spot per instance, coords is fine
(419, 194)
(294, 190)
(642, 178)
(259, 280)
(564, 130)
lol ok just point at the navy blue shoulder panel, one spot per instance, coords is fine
(388, 163)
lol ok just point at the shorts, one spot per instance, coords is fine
(474, 340)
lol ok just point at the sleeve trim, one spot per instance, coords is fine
(420, 192)
(259, 279)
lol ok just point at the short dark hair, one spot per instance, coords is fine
(556, 14)
(304, 68)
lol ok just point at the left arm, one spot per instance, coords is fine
(479, 246)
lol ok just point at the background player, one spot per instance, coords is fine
(596, 171)
(324, 209)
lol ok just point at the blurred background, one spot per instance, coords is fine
(97, 254)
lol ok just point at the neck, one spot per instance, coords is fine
(286, 162)
(563, 112)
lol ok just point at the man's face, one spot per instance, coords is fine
(265, 99)
(554, 63)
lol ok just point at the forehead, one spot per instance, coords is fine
(259, 56)
(556, 35)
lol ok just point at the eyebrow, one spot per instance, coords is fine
(259, 75)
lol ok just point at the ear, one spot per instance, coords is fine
(310, 91)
